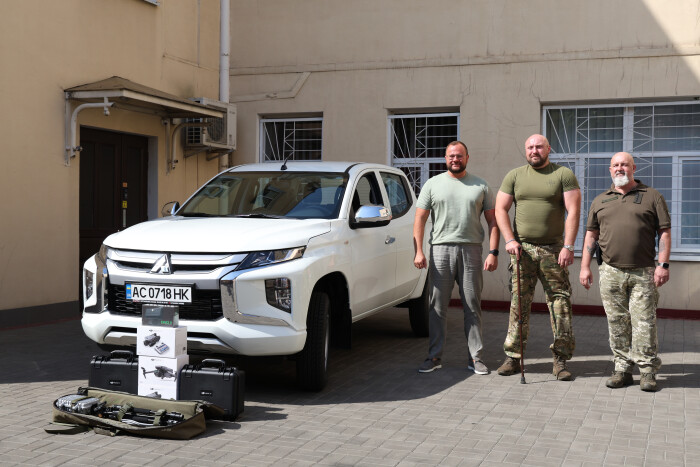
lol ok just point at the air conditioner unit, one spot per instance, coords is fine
(221, 134)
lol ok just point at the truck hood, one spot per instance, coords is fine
(217, 235)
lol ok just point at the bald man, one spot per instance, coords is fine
(625, 221)
(547, 203)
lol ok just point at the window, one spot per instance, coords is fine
(418, 142)
(664, 139)
(366, 193)
(296, 139)
(298, 195)
(399, 200)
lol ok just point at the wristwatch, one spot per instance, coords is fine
(569, 247)
(664, 265)
(493, 252)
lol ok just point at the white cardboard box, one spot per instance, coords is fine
(157, 341)
(166, 390)
(159, 370)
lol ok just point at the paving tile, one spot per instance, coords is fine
(377, 410)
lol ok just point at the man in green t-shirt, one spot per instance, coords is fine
(455, 200)
(625, 221)
(547, 202)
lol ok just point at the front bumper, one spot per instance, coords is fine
(218, 337)
(245, 323)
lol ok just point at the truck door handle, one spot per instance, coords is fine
(389, 239)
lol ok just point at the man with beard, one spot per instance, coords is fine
(455, 201)
(625, 221)
(544, 194)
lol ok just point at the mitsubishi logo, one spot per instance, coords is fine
(162, 265)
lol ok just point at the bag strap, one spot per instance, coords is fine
(156, 418)
(65, 428)
(123, 410)
(101, 430)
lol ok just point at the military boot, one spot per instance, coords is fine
(619, 379)
(559, 369)
(510, 366)
(648, 382)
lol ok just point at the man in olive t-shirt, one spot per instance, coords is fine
(544, 194)
(625, 221)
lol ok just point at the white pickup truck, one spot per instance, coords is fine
(266, 259)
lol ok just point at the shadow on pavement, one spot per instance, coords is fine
(381, 366)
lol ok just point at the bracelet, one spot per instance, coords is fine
(511, 240)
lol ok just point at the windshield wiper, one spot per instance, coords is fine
(258, 215)
(197, 214)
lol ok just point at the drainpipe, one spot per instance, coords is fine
(224, 66)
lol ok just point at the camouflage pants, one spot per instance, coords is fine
(630, 298)
(540, 262)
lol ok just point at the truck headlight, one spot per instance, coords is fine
(89, 280)
(279, 293)
(257, 259)
(95, 282)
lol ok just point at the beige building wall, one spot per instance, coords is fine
(497, 62)
(47, 47)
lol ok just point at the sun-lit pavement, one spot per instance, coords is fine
(377, 410)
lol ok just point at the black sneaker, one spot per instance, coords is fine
(430, 365)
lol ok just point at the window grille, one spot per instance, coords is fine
(663, 138)
(417, 144)
(294, 139)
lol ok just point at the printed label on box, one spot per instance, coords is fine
(157, 370)
(166, 390)
(154, 341)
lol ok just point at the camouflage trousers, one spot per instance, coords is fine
(540, 262)
(630, 297)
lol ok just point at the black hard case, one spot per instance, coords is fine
(212, 381)
(117, 371)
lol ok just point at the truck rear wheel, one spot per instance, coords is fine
(312, 365)
(418, 311)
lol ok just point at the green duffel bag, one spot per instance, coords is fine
(112, 413)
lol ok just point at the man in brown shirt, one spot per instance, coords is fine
(625, 221)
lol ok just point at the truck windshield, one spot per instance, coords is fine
(297, 195)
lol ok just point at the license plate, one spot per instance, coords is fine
(151, 293)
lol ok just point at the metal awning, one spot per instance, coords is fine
(136, 97)
(120, 93)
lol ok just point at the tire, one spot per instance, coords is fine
(312, 365)
(418, 311)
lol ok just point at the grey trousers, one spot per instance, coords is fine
(463, 264)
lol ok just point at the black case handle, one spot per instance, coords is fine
(126, 354)
(212, 363)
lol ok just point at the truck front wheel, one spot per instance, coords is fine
(312, 365)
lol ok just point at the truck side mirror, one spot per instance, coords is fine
(370, 216)
(169, 209)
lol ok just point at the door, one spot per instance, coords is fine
(113, 185)
(401, 228)
(373, 254)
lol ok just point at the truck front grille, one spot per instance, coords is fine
(205, 306)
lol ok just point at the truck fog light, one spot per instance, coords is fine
(279, 293)
(89, 283)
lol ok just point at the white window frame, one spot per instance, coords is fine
(418, 163)
(580, 160)
(263, 135)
